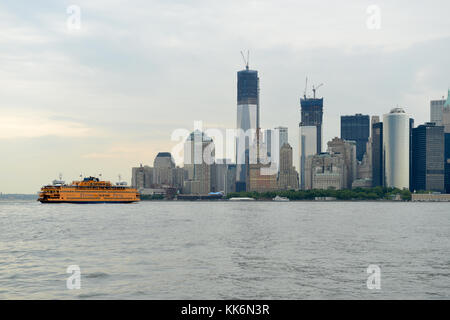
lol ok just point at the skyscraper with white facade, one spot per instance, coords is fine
(396, 148)
(247, 121)
(312, 115)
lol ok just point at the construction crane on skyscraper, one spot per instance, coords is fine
(315, 89)
(306, 88)
(246, 61)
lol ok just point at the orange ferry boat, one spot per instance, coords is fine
(89, 190)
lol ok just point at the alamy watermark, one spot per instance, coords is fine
(73, 21)
(245, 146)
(373, 21)
(374, 279)
(74, 281)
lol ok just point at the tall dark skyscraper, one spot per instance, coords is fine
(377, 154)
(248, 87)
(447, 163)
(312, 115)
(411, 178)
(356, 128)
(428, 157)
(247, 120)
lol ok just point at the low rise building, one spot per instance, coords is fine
(431, 197)
(348, 151)
(325, 171)
(164, 174)
(287, 177)
(261, 179)
(362, 183)
(142, 177)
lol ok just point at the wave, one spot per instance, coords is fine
(96, 275)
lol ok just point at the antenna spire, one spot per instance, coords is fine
(246, 61)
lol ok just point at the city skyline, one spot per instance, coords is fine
(74, 107)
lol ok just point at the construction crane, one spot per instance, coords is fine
(306, 87)
(315, 88)
(246, 61)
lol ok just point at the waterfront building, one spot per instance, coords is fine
(142, 177)
(268, 136)
(356, 128)
(282, 136)
(436, 111)
(446, 119)
(225, 176)
(348, 150)
(258, 154)
(261, 179)
(428, 158)
(274, 139)
(310, 132)
(307, 147)
(411, 127)
(373, 120)
(163, 166)
(364, 168)
(325, 171)
(167, 175)
(230, 185)
(362, 183)
(193, 187)
(446, 114)
(247, 121)
(198, 163)
(377, 154)
(178, 175)
(430, 197)
(396, 149)
(447, 163)
(287, 177)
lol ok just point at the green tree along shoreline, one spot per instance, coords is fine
(148, 197)
(377, 193)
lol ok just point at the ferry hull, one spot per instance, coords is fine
(84, 202)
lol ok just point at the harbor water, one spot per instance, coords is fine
(225, 250)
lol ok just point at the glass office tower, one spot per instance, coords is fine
(247, 122)
(428, 158)
(356, 128)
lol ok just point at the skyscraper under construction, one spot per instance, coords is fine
(247, 121)
(310, 130)
(312, 115)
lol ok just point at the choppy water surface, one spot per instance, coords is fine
(223, 250)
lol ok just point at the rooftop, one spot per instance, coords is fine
(198, 134)
(397, 110)
(164, 155)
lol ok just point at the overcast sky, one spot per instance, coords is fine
(107, 96)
